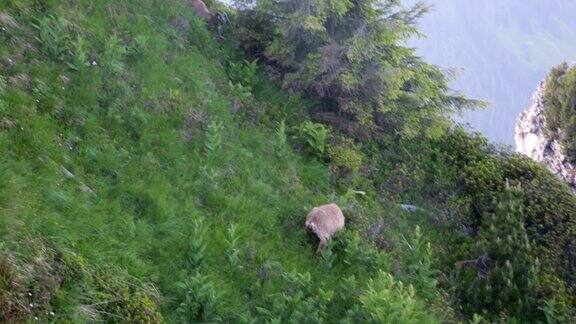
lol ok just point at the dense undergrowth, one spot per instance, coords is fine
(150, 173)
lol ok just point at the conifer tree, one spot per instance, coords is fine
(351, 54)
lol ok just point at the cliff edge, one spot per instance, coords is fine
(531, 140)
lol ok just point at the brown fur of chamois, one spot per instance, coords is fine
(324, 221)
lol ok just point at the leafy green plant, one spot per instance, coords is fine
(280, 140)
(418, 262)
(213, 142)
(245, 73)
(54, 36)
(233, 250)
(315, 136)
(553, 313)
(196, 244)
(114, 51)
(80, 54)
(359, 254)
(300, 301)
(345, 158)
(328, 256)
(200, 301)
(386, 300)
(241, 93)
(139, 46)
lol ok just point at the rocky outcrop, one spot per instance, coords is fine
(531, 140)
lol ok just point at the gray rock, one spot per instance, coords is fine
(531, 140)
(409, 208)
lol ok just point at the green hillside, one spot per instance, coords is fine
(150, 172)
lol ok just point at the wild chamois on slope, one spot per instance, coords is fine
(324, 221)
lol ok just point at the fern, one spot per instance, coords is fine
(200, 302)
(315, 136)
(197, 244)
(233, 250)
(280, 140)
(54, 37)
(213, 142)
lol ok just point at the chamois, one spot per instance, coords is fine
(324, 221)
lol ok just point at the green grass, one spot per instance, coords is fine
(109, 162)
(150, 173)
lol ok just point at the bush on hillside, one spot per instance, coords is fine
(345, 160)
(548, 207)
(387, 300)
(503, 279)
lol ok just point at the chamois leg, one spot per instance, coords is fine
(322, 246)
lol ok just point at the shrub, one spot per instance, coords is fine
(299, 302)
(389, 301)
(503, 279)
(121, 298)
(548, 207)
(29, 285)
(54, 36)
(345, 158)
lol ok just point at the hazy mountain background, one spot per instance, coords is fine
(501, 50)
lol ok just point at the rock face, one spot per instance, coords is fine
(531, 140)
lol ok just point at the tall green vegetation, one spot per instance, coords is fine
(504, 277)
(141, 180)
(151, 173)
(560, 108)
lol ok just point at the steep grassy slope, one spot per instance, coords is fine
(130, 191)
(150, 173)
